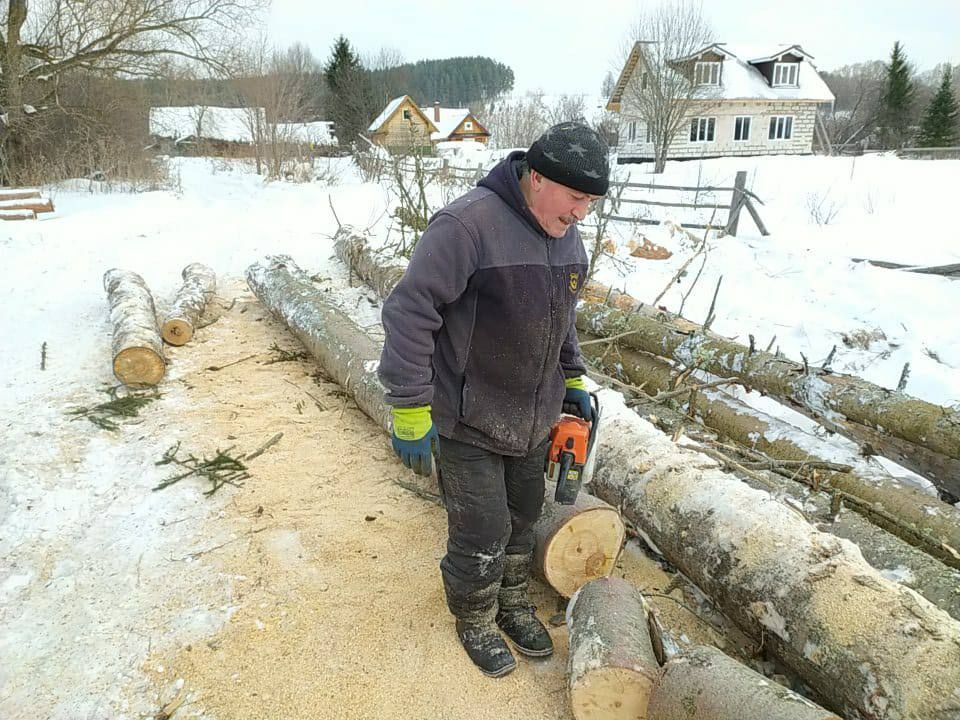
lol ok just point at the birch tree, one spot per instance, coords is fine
(42, 42)
(663, 88)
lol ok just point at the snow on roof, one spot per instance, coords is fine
(318, 133)
(216, 123)
(450, 118)
(387, 112)
(742, 81)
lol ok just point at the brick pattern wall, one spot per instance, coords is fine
(800, 143)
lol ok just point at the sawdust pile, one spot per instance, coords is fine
(337, 608)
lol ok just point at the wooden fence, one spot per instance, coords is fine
(935, 153)
(740, 199)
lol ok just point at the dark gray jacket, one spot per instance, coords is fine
(482, 324)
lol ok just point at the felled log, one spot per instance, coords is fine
(702, 683)
(199, 286)
(19, 193)
(868, 647)
(380, 273)
(574, 549)
(818, 393)
(611, 664)
(137, 347)
(903, 510)
(576, 543)
(951, 270)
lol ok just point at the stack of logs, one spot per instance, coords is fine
(138, 359)
(865, 646)
(23, 204)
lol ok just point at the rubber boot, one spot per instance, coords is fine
(516, 615)
(479, 635)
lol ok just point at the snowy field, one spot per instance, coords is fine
(80, 541)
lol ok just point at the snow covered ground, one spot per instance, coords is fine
(78, 527)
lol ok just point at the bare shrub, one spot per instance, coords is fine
(822, 208)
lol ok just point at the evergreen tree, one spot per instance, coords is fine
(897, 103)
(939, 126)
(352, 103)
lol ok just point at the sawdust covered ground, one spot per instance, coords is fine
(332, 567)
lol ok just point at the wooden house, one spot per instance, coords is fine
(403, 125)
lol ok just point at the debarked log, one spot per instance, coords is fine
(199, 286)
(868, 647)
(821, 394)
(611, 664)
(702, 683)
(916, 517)
(137, 347)
(577, 544)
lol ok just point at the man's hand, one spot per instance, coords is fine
(577, 400)
(415, 439)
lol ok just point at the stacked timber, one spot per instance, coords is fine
(23, 203)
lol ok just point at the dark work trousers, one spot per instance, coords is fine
(492, 503)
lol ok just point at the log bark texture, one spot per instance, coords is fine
(576, 543)
(816, 392)
(611, 663)
(702, 683)
(575, 549)
(917, 517)
(37, 205)
(380, 273)
(199, 287)
(870, 649)
(137, 347)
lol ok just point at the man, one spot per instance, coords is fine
(480, 356)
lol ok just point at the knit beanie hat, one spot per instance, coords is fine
(574, 155)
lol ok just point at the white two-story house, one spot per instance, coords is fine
(753, 101)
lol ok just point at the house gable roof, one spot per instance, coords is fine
(740, 79)
(392, 108)
(450, 120)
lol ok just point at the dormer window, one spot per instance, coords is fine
(785, 74)
(707, 73)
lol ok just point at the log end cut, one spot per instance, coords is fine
(177, 331)
(139, 366)
(611, 693)
(583, 549)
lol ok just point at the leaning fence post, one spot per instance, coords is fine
(736, 202)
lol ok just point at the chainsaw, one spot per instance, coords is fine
(573, 443)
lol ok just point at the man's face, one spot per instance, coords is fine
(556, 207)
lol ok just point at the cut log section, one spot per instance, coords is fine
(868, 647)
(817, 393)
(702, 683)
(918, 518)
(37, 205)
(611, 662)
(137, 347)
(199, 286)
(17, 215)
(576, 543)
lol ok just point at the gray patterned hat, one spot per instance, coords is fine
(574, 155)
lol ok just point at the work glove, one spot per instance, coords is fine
(577, 400)
(415, 439)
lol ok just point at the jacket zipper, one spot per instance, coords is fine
(549, 352)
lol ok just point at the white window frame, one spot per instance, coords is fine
(467, 125)
(748, 124)
(649, 133)
(706, 131)
(631, 130)
(786, 74)
(706, 72)
(781, 128)
(406, 114)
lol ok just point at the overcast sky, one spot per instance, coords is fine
(567, 46)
